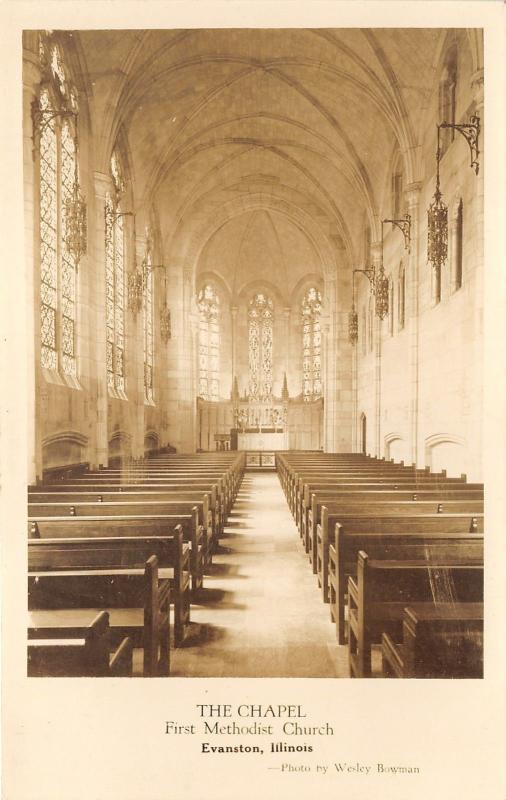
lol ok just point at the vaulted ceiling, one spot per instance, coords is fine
(283, 136)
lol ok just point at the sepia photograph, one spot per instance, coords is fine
(257, 423)
(249, 247)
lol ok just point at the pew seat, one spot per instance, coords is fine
(67, 576)
(77, 649)
(438, 641)
(384, 588)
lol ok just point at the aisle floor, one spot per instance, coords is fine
(261, 612)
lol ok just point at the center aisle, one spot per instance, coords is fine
(261, 614)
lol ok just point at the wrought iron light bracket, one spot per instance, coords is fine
(41, 118)
(471, 132)
(404, 226)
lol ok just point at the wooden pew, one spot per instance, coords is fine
(377, 480)
(383, 588)
(66, 576)
(439, 641)
(343, 553)
(114, 495)
(109, 492)
(174, 560)
(229, 480)
(78, 651)
(110, 519)
(201, 500)
(463, 514)
(311, 513)
(297, 470)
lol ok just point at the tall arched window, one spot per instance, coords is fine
(311, 345)
(115, 280)
(209, 343)
(58, 180)
(448, 97)
(401, 313)
(456, 237)
(397, 187)
(260, 320)
(147, 325)
(367, 243)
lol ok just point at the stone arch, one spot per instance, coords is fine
(394, 447)
(445, 451)
(64, 447)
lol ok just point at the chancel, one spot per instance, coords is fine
(255, 284)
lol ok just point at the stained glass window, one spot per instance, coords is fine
(58, 267)
(68, 263)
(311, 345)
(48, 233)
(115, 291)
(148, 328)
(209, 343)
(260, 319)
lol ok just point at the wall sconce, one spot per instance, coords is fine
(437, 223)
(378, 281)
(437, 214)
(75, 232)
(404, 226)
(165, 324)
(353, 325)
(135, 290)
(471, 132)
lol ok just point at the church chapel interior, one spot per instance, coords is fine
(255, 270)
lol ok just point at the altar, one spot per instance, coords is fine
(262, 440)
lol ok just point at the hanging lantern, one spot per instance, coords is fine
(165, 324)
(75, 224)
(135, 291)
(437, 226)
(381, 292)
(353, 326)
(437, 221)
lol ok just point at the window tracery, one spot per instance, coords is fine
(148, 325)
(115, 282)
(260, 341)
(56, 121)
(209, 343)
(311, 345)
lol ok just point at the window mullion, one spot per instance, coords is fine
(59, 234)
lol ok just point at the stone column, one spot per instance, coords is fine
(31, 81)
(99, 453)
(412, 317)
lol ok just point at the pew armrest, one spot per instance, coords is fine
(121, 662)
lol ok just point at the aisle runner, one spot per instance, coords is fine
(261, 613)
